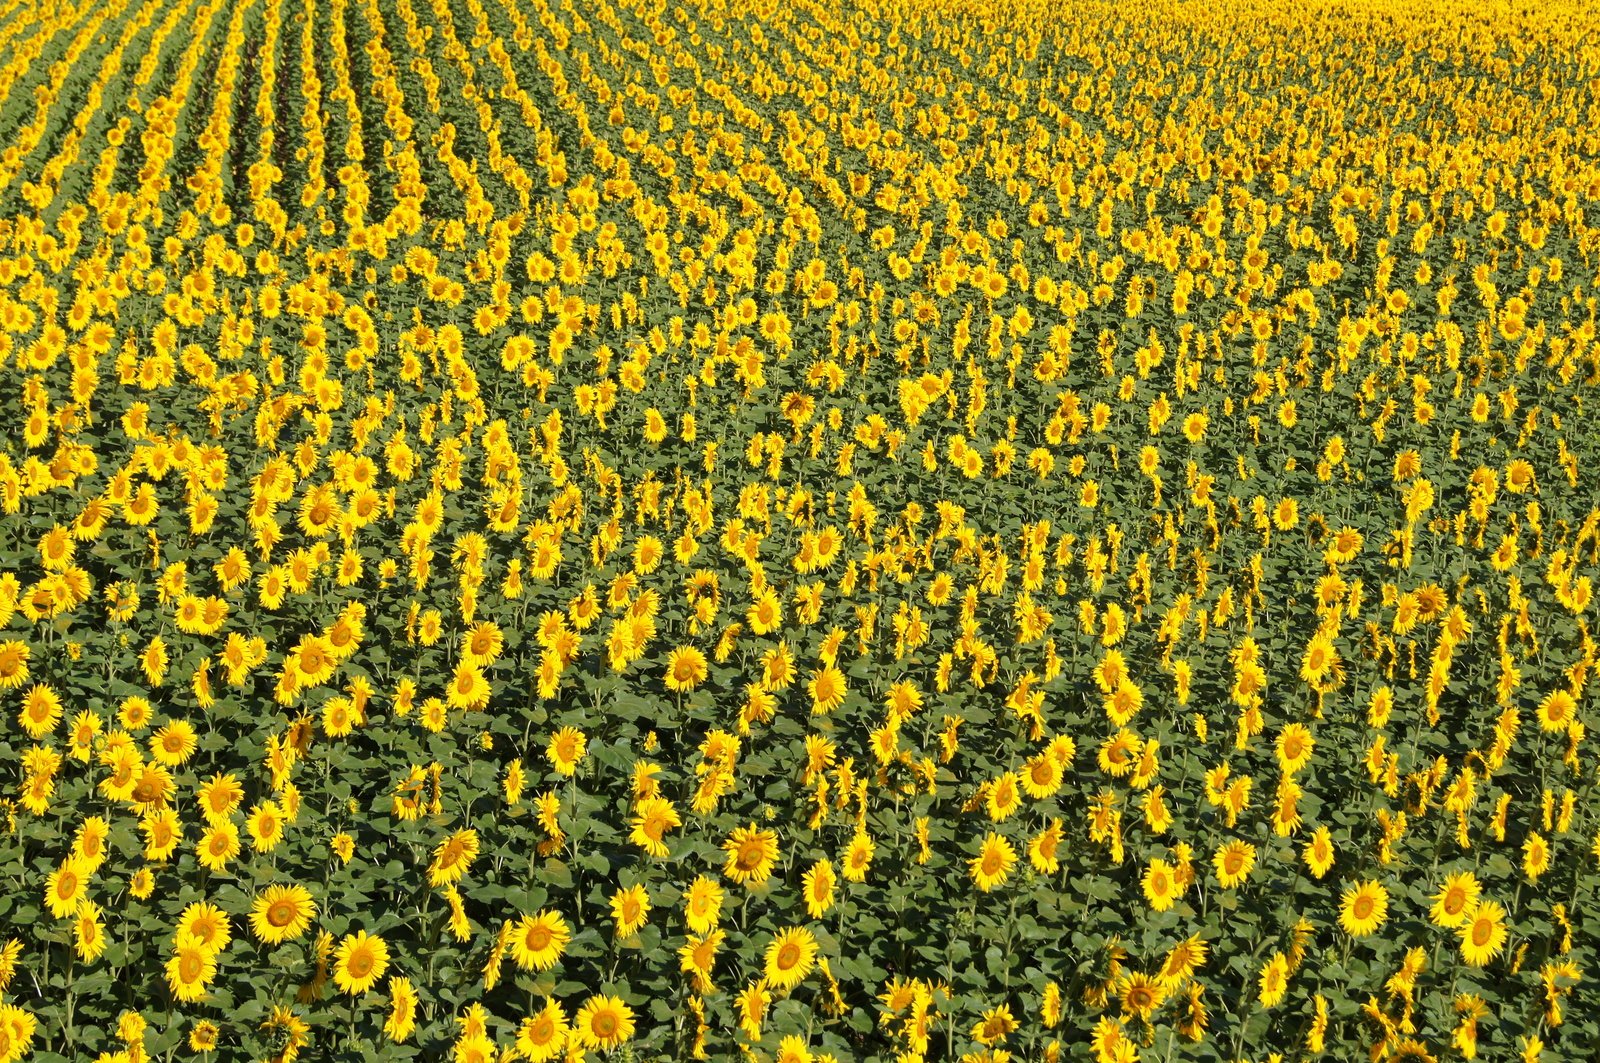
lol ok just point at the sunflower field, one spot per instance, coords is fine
(794, 531)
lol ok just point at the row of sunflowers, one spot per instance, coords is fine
(561, 529)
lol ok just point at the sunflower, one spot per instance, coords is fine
(537, 941)
(1274, 980)
(858, 856)
(206, 925)
(777, 667)
(218, 846)
(338, 717)
(1364, 908)
(792, 1049)
(1042, 776)
(265, 824)
(686, 669)
(13, 663)
(1535, 856)
(697, 956)
(89, 842)
(1043, 848)
(134, 713)
(1182, 960)
(482, 645)
(1410, 1050)
(630, 909)
(790, 957)
(997, 1024)
(282, 913)
(1320, 666)
(469, 688)
(1482, 933)
(766, 613)
(190, 969)
(819, 884)
(153, 790)
(1160, 885)
(163, 830)
(1472, 1008)
(89, 932)
(1455, 900)
(1004, 798)
(702, 904)
(362, 959)
(1124, 703)
(541, 1037)
(86, 727)
(1344, 547)
(992, 866)
(1319, 852)
(313, 661)
(67, 887)
(1233, 861)
(1139, 995)
(16, 1030)
(827, 689)
(751, 854)
(603, 1023)
(1120, 753)
(219, 797)
(1294, 747)
(1556, 711)
(41, 711)
(653, 817)
(452, 858)
(566, 750)
(402, 1018)
(203, 1036)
